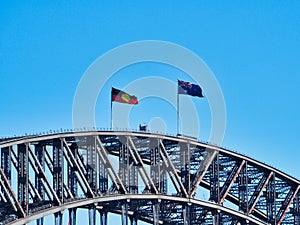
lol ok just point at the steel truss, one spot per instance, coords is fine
(142, 177)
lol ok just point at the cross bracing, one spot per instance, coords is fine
(146, 177)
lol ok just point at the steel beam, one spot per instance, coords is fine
(8, 191)
(58, 168)
(216, 218)
(185, 157)
(246, 183)
(170, 163)
(40, 155)
(296, 210)
(72, 216)
(91, 163)
(286, 204)
(259, 190)
(6, 162)
(133, 220)
(187, 218)
(271, 200)
(40, 168)
(82, 176)
(40, 221)
(92, 216)
(243, 189)
(215, 180)
(230, 180)
(211, 154)
(156, 213)
(145, 197)
(103, 217)
(124, 216)
(111, 171)
(72, 178)
(142, 167)
(58, 218)
(23, 164)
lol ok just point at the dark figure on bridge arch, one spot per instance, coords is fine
(143, 127)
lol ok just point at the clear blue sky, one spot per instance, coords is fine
(253, 48)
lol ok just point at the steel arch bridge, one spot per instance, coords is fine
(141, 176)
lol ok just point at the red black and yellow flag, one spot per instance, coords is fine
(123, 97)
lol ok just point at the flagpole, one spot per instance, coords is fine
(111, 122)
(177, 109)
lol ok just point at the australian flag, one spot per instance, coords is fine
(186, 88)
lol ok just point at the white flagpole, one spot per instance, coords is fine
(177, 108)
(111, 120)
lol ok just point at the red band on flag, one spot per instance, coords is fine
(123, 97)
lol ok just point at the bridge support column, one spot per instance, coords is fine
(124, 216)
(124, 164)
(103, 180)
(92, 163)
(40, 154)
(92, 216)
(271, 200)
(58, 167)
(6, 162)
(155, 213)
(216, 218)
(186, 215)
(40, 221)
(23, 191)
(243, 189)
(297, 209)
(72, 179)
(185, 166)
(103, 218)
(58, 218)
(155, 166)
(72, 216)
(215, 180)
(133, 220)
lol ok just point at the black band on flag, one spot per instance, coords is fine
(187, 88)
(122, 97)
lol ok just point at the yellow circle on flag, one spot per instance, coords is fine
(125, 97)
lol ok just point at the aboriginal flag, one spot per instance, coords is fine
(186, 88)
(123, 97)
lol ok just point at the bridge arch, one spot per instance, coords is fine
(155, 178)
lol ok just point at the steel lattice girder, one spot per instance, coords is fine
(156, 178)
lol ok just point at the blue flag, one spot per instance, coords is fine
(186, 88)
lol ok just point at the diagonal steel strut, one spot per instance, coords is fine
(143, 166)
(211, 154)
(79, 170)
(164, 151)
(113, 174)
